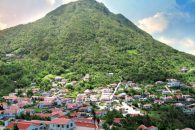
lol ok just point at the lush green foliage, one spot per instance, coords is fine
(170, 118)
(84, 37)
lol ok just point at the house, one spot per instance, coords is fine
(43, 115)
(44, 104)
(158, 102)
(122, 95)
(143, 99)
(62, 124)
(117, 120)
(174, 84)
(58, 78)
(143, 127)
(86, 77)
(128, 98)
(10, 99)
(26, 126)
(147, 106)
(67, 100)
(110, 74)
(85, 109)
(186, 96)
(87, 91)
(9, 55)
(190, 99)
(187, 129)
(137, 96)
(85, 126)
(105, 97)
(152, 128)
(180, 105)
(159, 82)
(72, 106)
(81, 98)
(13, 111)
(94, 98)
(184, 70)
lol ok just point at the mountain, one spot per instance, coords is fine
(85, 37)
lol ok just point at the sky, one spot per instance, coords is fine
(169, 21)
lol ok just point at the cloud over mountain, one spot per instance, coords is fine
(154, 24)
(182, 44)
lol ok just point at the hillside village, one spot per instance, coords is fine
(37, 109)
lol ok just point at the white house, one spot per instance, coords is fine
(62, 124)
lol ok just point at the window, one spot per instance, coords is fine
(71, 124)
(58, 125)
(67, 126)
(62, 126)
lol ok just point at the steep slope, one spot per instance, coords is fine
(85, 37)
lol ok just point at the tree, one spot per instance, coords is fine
(29, 93)
(94, 116)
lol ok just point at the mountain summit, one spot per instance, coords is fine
(85, 37)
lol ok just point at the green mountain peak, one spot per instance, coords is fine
(85, 37)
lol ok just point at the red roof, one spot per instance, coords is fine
(60, 121)
(21, 125)
(142, 127)
(187, 129)
(10, 97)
(73, 114)
(43, 115)
(38, 122)
(87, 120)
(88, 125)
(117, 120)
(57, 113)
(64, 117)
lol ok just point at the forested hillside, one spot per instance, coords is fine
(85, 37)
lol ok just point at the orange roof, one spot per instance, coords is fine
(10, 97)
(142, 127)
(21, 125)
(88, 125)
(117, 120)
(83, 120)
(43, 115)
(60, 121)
(187, 129)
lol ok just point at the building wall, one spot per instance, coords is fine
(84, 128)
(62, 127)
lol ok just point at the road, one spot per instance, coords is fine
(111, 97)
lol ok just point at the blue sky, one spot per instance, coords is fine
(170, 21)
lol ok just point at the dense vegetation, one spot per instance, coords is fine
(170, 118)
(85, 37)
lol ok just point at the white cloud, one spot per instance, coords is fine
(183, 44)
(68, 1)
(154, 24)
(2, 26)
(52, 2)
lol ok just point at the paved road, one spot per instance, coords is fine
(111, 97)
